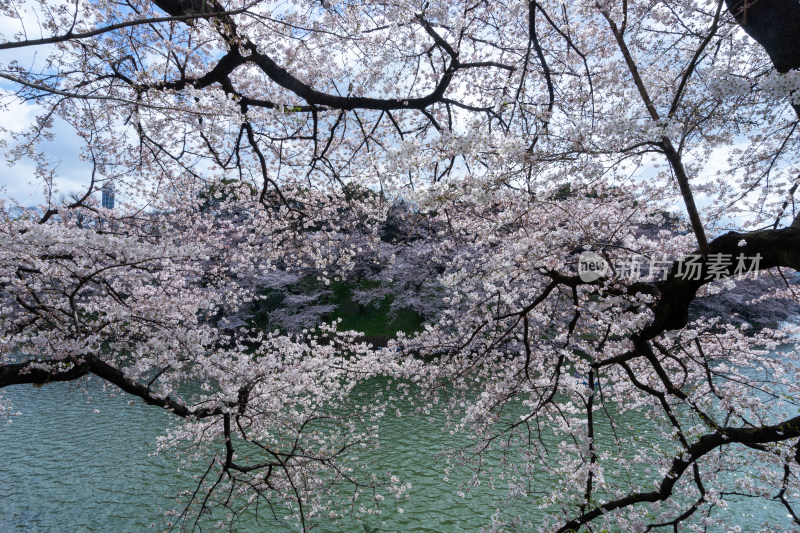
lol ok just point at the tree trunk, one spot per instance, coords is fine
(775, 25)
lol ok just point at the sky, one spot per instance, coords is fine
(16, 182)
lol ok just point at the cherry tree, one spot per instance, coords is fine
(527, 140)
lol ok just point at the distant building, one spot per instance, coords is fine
(108, 197)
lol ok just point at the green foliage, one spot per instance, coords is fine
(218, 193)
(376, 320)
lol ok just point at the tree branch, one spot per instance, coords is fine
(785, 430)
(53, 370)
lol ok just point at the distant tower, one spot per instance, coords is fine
(108, 197)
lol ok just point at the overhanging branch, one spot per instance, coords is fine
(39, 372)
(788, 429)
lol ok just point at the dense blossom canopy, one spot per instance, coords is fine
(461, 159)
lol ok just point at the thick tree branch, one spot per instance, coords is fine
(53, 370)
(41, 372)
(788, 429)
(287, 80)
(775, 25)
(771, 248)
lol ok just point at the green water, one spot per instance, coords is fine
(66, 468)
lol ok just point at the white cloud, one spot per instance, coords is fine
(17, 181)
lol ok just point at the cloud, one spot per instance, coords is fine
(18, 182)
